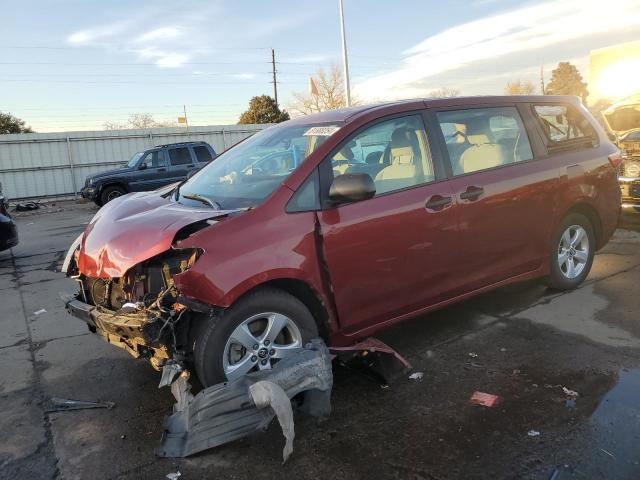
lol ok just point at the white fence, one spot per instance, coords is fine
(36, 165)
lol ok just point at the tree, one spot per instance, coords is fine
(328, 93)
(138, 120)
(263, 109)
(567, 80)
(444, 92)
(11, 124)
(519, 88)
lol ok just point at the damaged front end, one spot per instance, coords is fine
(142, 311)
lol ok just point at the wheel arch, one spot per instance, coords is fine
(113, 183)
(593, 216)
(303, 292)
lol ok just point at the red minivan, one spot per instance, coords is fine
(345, 222)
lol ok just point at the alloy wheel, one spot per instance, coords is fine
(258, 342)
(573, 251)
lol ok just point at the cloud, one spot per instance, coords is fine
(162, 58)
(245, 76)
(163, 33)
(92, 36)
(525, 29)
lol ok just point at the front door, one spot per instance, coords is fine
(151, 173)
(393, 254)
(505, 196)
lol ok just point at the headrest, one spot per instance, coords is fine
(478, 139)
(373, 158)
(403, 137)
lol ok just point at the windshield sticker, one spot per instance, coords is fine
(321, 131)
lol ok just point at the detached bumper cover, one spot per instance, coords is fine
(134, 332)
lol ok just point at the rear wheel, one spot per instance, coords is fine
(572, 253)
(254, 334)
(109, 193)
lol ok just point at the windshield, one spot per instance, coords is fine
(246, 174)
(134, 160)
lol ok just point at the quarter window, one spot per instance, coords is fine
(564, 127)
(482, 138)
(180, 156)
(393, 153)
(202, 153)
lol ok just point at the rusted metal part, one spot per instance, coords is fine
(227, 411)
(376, 357)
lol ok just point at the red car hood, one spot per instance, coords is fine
(134, 228)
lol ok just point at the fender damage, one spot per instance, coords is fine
(125, 263)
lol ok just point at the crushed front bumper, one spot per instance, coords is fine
(137, 333)
(89, 193)
(630, 192)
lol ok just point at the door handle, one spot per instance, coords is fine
(471, 193)
(437, 202)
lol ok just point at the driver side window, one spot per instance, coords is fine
(154, 159)
(394, 153)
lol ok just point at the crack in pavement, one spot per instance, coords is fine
(48, 449)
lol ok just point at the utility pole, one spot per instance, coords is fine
(186, 120)
(345, 62)
(542, 79)
(275, 83)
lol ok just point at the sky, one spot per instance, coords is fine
(75, 64)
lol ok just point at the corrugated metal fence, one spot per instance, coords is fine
(36, 165)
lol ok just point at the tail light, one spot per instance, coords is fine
(615, 159)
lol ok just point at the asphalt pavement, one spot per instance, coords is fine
(522, 343)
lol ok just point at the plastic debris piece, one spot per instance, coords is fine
(62, 404)
(173, 475)
(268, 394)
(570, 403)
(416, 376)
(473, 354)
(40, 312)
(503, 349)
(569, 393)
(533, 433)
(484, 399)
(608, 453)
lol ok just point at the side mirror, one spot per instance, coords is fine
(352, 187)
(142, 166)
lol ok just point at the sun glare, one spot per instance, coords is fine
(620, 79)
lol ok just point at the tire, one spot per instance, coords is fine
(109, 193)
(570, 259)
(214, 349)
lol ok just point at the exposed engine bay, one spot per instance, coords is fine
(141, 311)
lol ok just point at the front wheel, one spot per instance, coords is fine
(110, 193)
(255, 333)
(572, 252)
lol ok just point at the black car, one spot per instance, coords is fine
(148, 170)
(8, 230)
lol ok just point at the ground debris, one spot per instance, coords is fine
(417, 376)
(570, 393)
(484, 399)
(533, 433)
(173, 475)
(62, 405)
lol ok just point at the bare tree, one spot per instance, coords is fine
(520, 88)
(444, 92)
(138, 120)
(329, 94)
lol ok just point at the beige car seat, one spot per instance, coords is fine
(403, 155)
(481, 154)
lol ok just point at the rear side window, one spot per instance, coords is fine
(202, 153)
(482, 138)
(179, 156)
(564, 127)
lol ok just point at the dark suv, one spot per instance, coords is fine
(148, 170)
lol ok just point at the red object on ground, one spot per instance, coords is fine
(484, 399)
